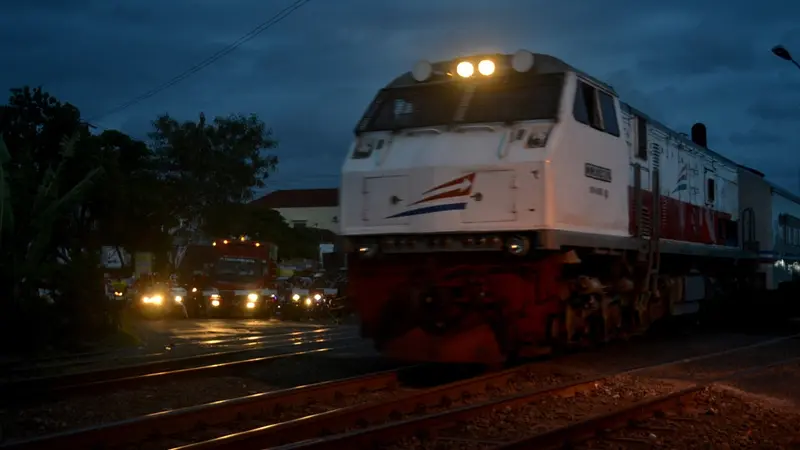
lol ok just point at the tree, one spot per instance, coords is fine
(34, 125)
(44, 184)
(207, 166)
(132, 209)
(31, 256)
(54, 203)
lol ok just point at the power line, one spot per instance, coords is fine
(208, 61)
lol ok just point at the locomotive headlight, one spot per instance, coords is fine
(252, 297)
(486, 67)
(465, 69)
(518, 245)
(522, 61)
(422, 71)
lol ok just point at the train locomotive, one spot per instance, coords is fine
(502, 205)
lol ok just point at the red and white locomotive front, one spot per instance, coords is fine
(441, 191)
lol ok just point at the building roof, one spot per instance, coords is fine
(299, 198)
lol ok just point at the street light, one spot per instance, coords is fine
(782, 53)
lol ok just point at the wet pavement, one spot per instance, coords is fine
(234, 334)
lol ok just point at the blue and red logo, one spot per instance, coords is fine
(450, 196)
(682, 182)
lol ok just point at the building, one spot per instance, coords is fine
(318, 208)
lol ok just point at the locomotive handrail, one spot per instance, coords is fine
(423, 130)
(476, 127)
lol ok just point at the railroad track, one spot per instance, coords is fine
(365, 412)
(242, 346)
(603, 427)
(32, 390)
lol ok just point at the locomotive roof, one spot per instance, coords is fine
(542, 64)
(676, 135)
(686, 141)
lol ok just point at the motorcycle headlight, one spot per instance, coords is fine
(252, 297)
(194, 289)
(317, 297)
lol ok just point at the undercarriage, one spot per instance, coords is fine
(494, 307)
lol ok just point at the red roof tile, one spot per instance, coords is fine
(299, 198)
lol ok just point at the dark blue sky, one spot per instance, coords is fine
(312, 75)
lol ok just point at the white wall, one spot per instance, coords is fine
(318, 217)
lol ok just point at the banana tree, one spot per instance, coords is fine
(6, 213)
(48, 206)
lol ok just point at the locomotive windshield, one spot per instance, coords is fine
(531, 98)
(235, 269)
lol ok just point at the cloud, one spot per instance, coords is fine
(756, 137)
(781, 109)
(312, 75)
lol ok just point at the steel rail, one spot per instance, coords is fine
(57, 387)
(428, 425)
(136, 430)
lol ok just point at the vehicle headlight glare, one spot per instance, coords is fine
(155, 300)
(308, 302)
(250, 305)
(215, 303)
(317, 297)
(296, 297)
(178, 298)
(252, 297)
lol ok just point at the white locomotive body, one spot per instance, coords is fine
(469, 188)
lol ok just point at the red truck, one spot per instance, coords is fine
(239, 280)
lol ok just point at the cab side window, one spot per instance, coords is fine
(596, 109)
